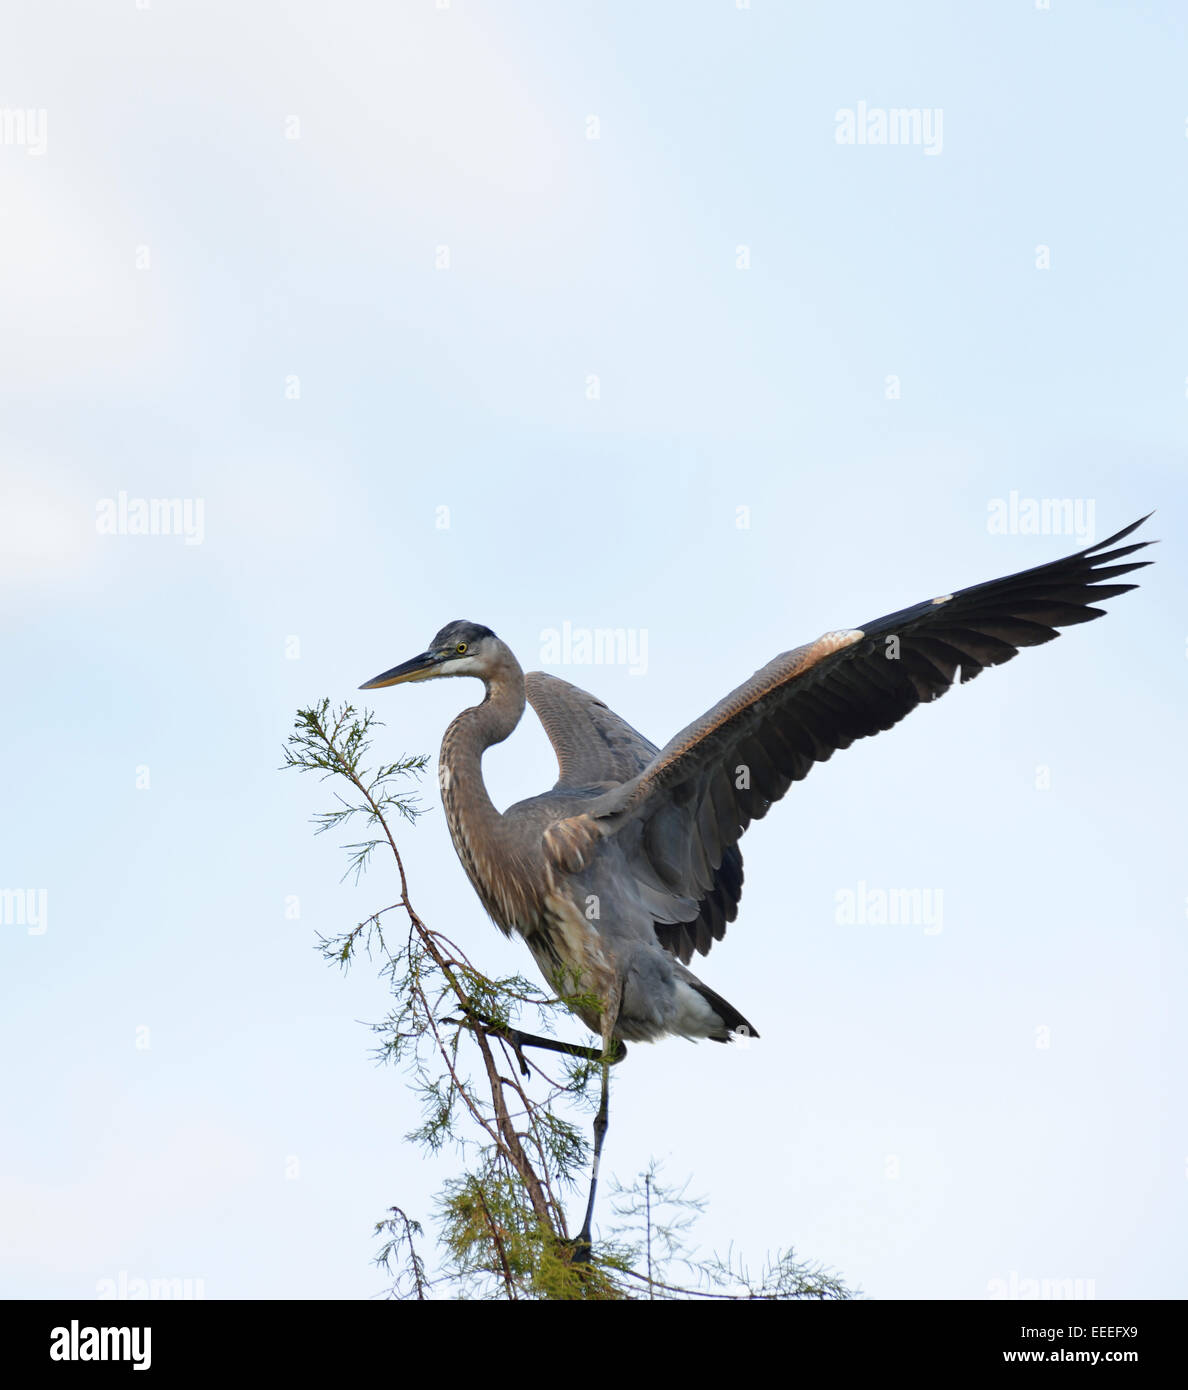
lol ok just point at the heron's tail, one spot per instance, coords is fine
(732, 1020)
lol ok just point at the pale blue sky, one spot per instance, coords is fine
(171, 261)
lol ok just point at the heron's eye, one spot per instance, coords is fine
(461, 647)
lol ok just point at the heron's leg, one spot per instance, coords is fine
(520, 1040)
(581, 1253)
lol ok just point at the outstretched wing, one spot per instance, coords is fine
(679, 818)
(595, 748)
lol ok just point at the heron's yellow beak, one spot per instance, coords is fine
(420, 668)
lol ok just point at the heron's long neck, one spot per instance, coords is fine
(474, 822)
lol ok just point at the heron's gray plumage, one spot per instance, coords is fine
(594, 747)
(630, 863)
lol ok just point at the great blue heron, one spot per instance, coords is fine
(631, 862)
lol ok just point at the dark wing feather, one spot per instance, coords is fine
(681, 817)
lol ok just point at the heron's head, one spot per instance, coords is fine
(459, 649)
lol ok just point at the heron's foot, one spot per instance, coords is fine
(581, 1247)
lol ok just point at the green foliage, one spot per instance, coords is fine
(501, 1249)
(335, 744)
(502, 1224)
